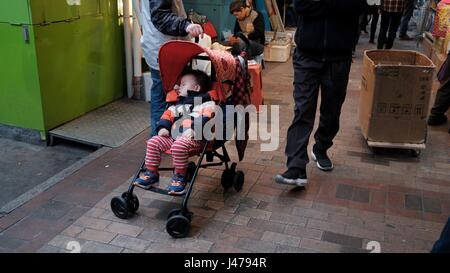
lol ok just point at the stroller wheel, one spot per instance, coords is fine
(174, 212)
(120, 207)
(227, 178)
(178, 226)
(238, 180)
(133, 202)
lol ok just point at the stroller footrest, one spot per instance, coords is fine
(161, 191)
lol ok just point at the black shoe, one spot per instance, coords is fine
(437, 120)
(293, 176)
(323, 161)
(372, 41)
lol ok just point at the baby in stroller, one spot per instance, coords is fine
(176, 131)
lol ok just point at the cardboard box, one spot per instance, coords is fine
(438, 45)
(438, 60)
(395, 95)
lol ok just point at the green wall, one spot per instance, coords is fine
(72, 64)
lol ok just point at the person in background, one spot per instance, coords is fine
(443, 244)
(163, 20)
(326, 34)
(249, 22)
(391, 16)
(442, 102)
(409, 10)
(373, 10)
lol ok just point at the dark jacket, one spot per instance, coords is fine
(166, 20)
(259, 34)
(328, 29)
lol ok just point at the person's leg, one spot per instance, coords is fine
(181, 149)
(364, 21)
(384, 26)
(158, 101)
(306, 90)
(333, 92)
(409, 10)
(443, 244)
(374, 24)
(396, 18)
(155, 147)
(441, 105)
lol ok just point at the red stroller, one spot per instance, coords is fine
(174, 57)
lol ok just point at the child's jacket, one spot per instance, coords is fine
(185, 113)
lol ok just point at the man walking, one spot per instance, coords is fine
(391, 16)
(409, 10)
(326, 33)
(163, 20)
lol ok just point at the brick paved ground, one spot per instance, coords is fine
(399, 201)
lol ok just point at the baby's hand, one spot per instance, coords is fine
(163, 132)
(189, 133)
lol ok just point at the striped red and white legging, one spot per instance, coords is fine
(181, 149)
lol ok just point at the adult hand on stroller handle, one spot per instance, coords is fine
(163, 132)
(195, 30)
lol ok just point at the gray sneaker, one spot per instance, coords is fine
(323, 161)
(295, 177)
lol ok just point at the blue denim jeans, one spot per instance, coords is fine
(443, 244)
(158, 101)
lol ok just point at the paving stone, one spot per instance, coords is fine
(361, 195)
(124, 229)
(130, 243)
(92, 223)
(281, 239)
(344, 192)
(432, 205)
(97, 235)
(288, 219)
(264, 225)
(62, 242)
(96, 247)
(254, 213)
(10, 243)
(341, 239)
(413, 202)
(256, 245)
(48, 249)
(320, 246)
(52, 210)
(310, 213)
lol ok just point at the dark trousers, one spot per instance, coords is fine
(442, 101)
(373, 11)
(309, 76)
(409, 10)
(443, 244)
(390, 21)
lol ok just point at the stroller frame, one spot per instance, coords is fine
(179, 219)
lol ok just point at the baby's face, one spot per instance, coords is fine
(188, 83)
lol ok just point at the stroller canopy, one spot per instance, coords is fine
(175, 55)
